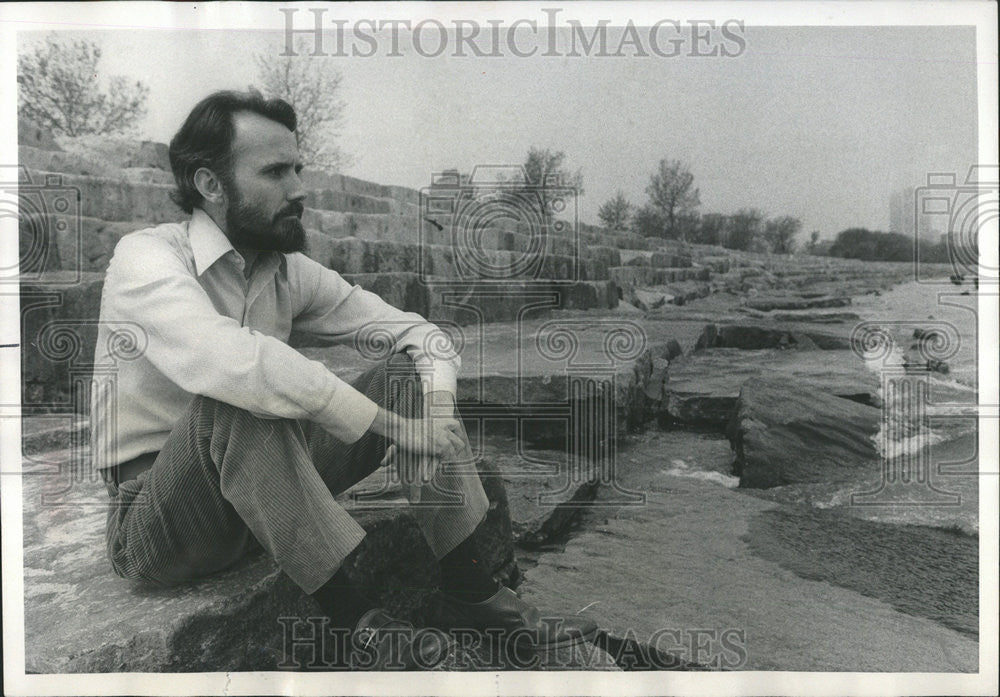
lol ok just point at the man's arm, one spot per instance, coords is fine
(342, 313)
(208, 354)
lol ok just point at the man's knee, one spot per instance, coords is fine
(401, 363)
(399, 366)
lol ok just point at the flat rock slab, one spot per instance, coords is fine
(796, 302)
(677, 570)
(703, 386)
(80, 617)
(538, 364)
(547, 490)
(787, 432)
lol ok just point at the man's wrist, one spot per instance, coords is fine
(387, 424)
(440, 398)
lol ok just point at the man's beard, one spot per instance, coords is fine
(250, 228)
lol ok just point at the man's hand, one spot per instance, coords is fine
(436, 436)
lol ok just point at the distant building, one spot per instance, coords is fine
(902, 218)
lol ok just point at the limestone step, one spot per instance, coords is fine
(59, 313)
(474, 302)
(73, 243)
(138, 169)
(319, 180)
(117, 198)
(658, 259)
(656, 276)
(338, 200)
(58, 330)
(530, 368)
(355, 255)
(524, 367)
(620, 240)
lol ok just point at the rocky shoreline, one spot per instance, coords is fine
(668, 495)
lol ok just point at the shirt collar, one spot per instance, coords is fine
(208, 242)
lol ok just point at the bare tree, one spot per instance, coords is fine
(780, 233)
(616, 212)
(671, 191)
(310, 85)
(59, 88)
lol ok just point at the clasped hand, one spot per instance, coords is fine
(432, 439)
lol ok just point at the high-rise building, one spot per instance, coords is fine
(903, 218)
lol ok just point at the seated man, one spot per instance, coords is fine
(220, 436)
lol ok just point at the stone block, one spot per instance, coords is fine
(769, 303)
(785, 432)
(116, 199)
(704, 386)
(58, 331)
(60, 161)
(320, 248)
(608, 256)
(669, 260)
(399, 289)
(337, 200)
(119, 152)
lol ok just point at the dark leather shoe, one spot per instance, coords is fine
(518, 620)
(381, 642)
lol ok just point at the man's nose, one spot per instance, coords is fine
(296, 188)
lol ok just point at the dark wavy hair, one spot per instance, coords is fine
(206, 138)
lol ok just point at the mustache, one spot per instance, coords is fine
(295, 210)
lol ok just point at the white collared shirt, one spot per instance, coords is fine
(209, 330)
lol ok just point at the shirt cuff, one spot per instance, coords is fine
(349, 413)
(442, 377)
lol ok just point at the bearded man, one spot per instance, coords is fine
(220, 436)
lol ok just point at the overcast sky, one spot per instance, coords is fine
(819, 123)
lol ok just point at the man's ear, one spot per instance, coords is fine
(209, 186)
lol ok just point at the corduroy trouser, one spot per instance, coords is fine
(226, 477)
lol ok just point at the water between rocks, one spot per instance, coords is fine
(921, 560)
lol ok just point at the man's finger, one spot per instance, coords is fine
(429, 466)
(457, 444)
(390, 455)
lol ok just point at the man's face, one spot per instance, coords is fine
(263, 190)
